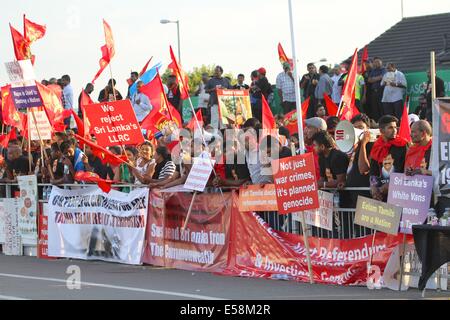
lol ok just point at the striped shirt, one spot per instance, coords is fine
(164, 170)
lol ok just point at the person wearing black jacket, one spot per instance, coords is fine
(440, 92)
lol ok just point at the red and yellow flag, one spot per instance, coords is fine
(182, 78)
(22, 49)
(32, 31)
(283, 57)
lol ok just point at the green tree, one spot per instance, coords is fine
(195, 76)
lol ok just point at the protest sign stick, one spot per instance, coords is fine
(189, 211)
(43, 154)
(371, 255)
(308, 253)
(30, 159)
(402, 262)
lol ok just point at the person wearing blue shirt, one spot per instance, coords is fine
(68, 96)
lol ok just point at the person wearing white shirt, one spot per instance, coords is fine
(141, 103)
(337, 90)
(394, 83)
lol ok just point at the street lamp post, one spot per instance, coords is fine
(165, 21)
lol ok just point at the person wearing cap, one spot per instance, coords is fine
(286, 89)
(313, 126)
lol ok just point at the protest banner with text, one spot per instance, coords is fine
(202, 246)
(441, 147)
(255, 198)
(296, 184)
(413, 194)
(88, 224)
(114, 123)
(378, 215)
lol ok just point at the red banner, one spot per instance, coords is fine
(202, 246)
(258, 251)
(114, 123)
(296, 184)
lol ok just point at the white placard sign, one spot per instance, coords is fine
(323, 217)
(13, 243)
(45, 129)
(20, 72)
(199, 174)
(28, 209)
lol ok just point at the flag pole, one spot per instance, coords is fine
(114, 94)
(30, 159)
(43, 153)
(300, 129)
(296, 82)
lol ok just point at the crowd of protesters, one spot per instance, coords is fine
(244, 155)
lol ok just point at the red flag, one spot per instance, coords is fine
(182, 78)
(165, 105)
(13, 134)
(268, 121)
(348, 93)
(103, 154)
(291, 119)
(85, 101)
(405, 130)
(163, 112)
(108, 50)
(330, 105)
(22, 49)
(364, 59)
(4, 139)
(349, 112)
(154, 123)
(104, 185)
(283, 57)
(145, 67)
(80, 126)
(11, 117)
(53, 107)
(192, 125)
(32, 31)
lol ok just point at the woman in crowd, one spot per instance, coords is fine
(123, 173)
(145, 164)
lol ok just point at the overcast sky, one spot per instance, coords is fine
(240, 35)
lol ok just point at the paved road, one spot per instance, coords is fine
(30, 278)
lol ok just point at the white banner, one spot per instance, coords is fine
(20, 71)
(323, 217)
(13, 245)
(28, 209)
(89, 224)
